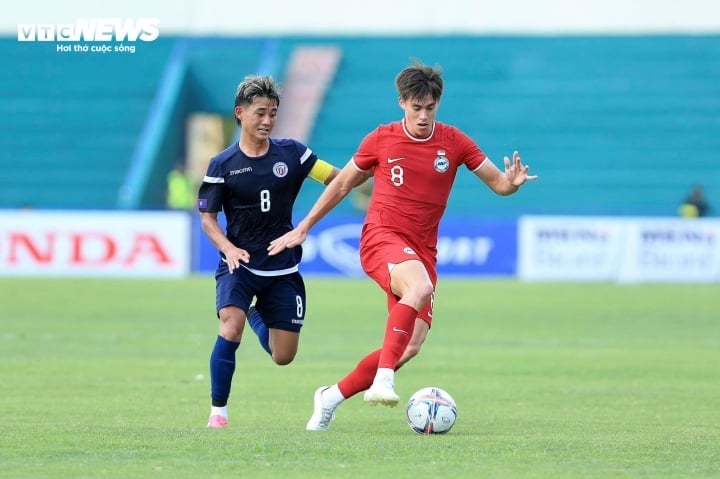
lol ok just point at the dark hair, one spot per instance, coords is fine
(418, 81)
(254, 86)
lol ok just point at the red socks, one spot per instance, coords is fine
(360, 378)
(398, 331)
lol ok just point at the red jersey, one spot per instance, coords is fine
(413, 177)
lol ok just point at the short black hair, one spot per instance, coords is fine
(254, 86)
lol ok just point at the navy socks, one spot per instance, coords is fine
(222, 367)
(258, 326)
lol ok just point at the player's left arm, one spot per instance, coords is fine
(507, 182)
(323, 172)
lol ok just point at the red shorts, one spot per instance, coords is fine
(380, 250)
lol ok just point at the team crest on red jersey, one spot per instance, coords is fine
(280, 169)
(441, 162)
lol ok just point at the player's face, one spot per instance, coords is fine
(419, 115)
(258, 118)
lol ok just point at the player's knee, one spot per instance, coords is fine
(231, 328)
(282, 359)
(282, 356)
(283, 346)
(421, 294)
(427, 291)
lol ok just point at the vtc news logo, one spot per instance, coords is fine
(91, 30)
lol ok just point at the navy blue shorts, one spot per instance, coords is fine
(280, 300)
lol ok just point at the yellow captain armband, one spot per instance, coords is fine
(321, 171)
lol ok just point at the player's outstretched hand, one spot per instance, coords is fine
(288, 240)
(516, 172)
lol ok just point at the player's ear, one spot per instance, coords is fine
(401, 102)
(238, 112)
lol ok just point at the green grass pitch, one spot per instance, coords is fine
(108, 379)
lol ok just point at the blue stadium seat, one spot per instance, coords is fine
(70, 121)
(614, 125)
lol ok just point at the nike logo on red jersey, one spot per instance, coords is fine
(393, 160)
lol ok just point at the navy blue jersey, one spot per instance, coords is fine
(257, 195)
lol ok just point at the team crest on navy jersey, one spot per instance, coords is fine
(280, 169)
(441, 162)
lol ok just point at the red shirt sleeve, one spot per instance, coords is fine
(365, 157)
(471, 153)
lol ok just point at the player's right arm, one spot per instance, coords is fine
(339, 188)
(233, 255)
(210, 197)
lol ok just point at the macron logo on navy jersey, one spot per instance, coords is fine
(202, 203)
(247, 169)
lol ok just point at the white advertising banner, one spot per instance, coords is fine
(618, 249)
(569, 248)
(94, 244)
(672, 250)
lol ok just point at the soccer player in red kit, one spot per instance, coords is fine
(414, 162)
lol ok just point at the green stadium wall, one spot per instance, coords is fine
(614, 125)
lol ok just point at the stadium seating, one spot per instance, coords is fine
(614, 125)
(70, 122)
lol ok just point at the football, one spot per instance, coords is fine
(431, 410)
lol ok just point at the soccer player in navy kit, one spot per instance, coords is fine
(255, 183)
